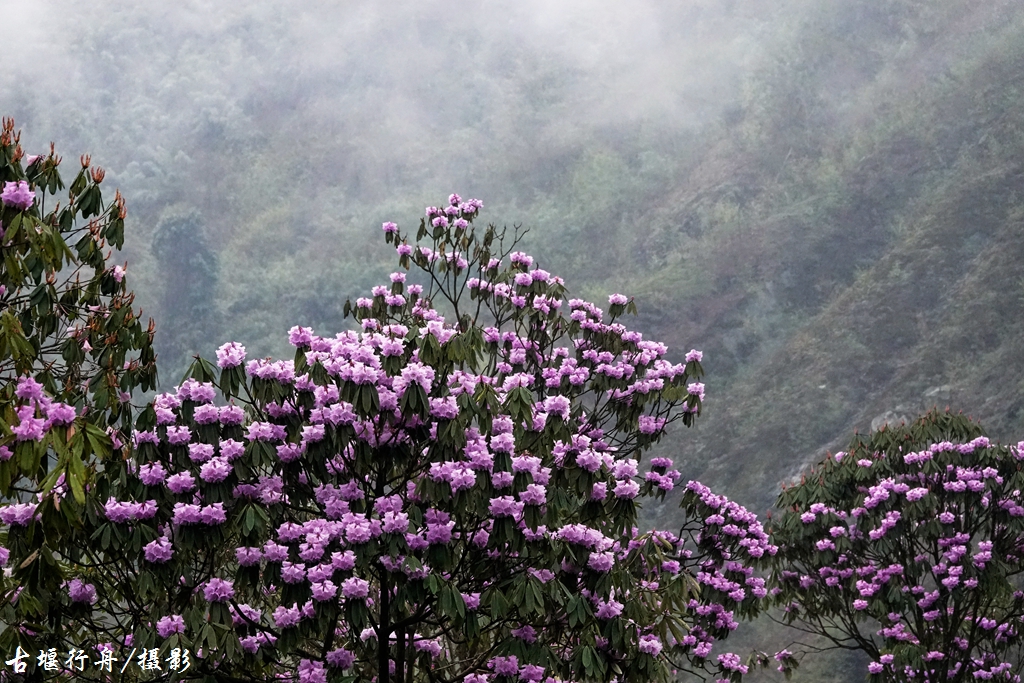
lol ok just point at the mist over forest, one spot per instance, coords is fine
(824, 196)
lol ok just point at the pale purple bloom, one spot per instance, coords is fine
(519, 257)
(292, 572)
(531, 673)
(626, 489)
(230, 355)
(200, 452)
(187, 513)
(17, 514)
(650, 644)
(216, 470)
(300, 336)
(169, 625)
(917, 493)
(732, 662)
(119, 512)
(694, 355)
(273, 552)
(158, 551)
(17, 194)
(265, 431)
(341, 658)
(232, 415)
(395, 522)
(311, 672)
(343, 561)
(218, 590)
(504, 666)
(248, 557)
(213, 514)
(81, 592)
(60, 414)
(231, 449)
(285, 617)
(181, 482)
(323, 590)
(355, 588)
(617, 299)
(601, 562)
(195, 391)
(178, 435)
(505, 506)
(28, 389)
(29, 427)
(652, 425)
(206, 413)
(608, 610)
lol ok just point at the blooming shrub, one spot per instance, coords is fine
(451, 488)
(907, 547)
(72, 349)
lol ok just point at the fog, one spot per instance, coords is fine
(379, 96)
(294, 129)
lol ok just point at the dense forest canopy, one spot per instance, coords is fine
(822, 195)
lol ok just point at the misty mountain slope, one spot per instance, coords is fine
(860, 276)
(762, 175)
(293, 132)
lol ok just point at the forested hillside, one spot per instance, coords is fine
(853, 257)
(824, 196)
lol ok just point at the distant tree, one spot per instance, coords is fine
(189, 271)
(909, 547)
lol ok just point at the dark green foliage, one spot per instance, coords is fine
(67, 320)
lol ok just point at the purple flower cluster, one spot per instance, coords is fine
(79, 591)
(18, 514)
(39, 413)
(230, 355)
(158, 551)
(169, 625)
(218, 590)
(127, 511)
(190, 513)
(17, 194)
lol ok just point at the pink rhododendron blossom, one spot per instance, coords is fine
(169, 625)
(17, 194)
(79, 591)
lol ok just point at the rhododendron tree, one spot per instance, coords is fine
(448, 492)
(72, 350)
(909, 547)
